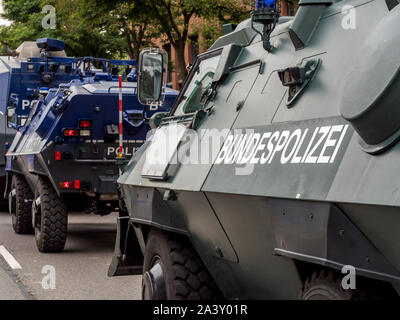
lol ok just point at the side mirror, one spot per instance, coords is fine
(153, 64)
(11, 119)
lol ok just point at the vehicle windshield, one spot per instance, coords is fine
(34, 106)
(201, 80)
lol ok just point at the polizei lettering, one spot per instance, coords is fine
(319, 145)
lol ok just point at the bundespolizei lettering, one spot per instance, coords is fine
(301, 146)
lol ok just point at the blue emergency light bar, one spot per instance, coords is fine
(267, 13)
(264, 4)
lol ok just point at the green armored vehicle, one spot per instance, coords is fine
(275, 176)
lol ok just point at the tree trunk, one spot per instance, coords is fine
(129, 44)
(136, 53)
(137, 34)
(180, 51)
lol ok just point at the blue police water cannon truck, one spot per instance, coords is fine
(64, 158)
(25, 73)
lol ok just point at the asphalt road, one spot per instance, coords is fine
(80, 271)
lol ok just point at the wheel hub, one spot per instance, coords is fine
(154, 283)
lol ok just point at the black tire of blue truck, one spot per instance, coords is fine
(51, 218)
(20, 205)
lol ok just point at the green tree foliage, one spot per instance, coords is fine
(122, 28)
(124, 25)
(75, 25)
(85, 30)
(221, 13)
(88, 27)
(174, 18)
(25, 15)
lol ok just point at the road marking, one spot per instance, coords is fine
(9, 258)
(18, 282)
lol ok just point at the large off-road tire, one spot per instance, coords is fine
(173, 270)
(50, 218)
(326, 285)
(20, 205)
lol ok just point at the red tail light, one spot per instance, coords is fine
(77, 184)
(71, 133)
(85, 123)
(57, 155)
(66, 184)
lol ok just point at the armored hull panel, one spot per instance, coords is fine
(292, 149)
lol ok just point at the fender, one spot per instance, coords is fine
(321, 233)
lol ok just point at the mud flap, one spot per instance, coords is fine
(7, 185)
(128, 257)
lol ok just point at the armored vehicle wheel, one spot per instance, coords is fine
(173, 270)
(50, 218)
(20, 203)
(326, 285)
